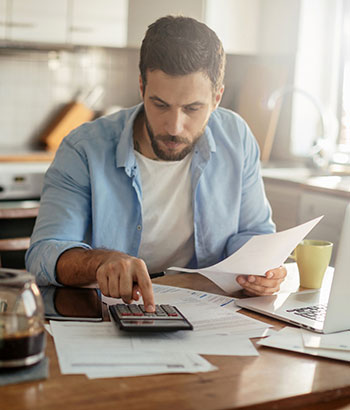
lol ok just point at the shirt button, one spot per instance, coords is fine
(139, 227)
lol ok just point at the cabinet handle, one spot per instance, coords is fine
(82, 29)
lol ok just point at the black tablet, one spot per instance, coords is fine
(69, 303)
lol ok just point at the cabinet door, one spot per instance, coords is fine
(284, 200)
(313, 204)
(100, 23)
(38, 20)
(144, 12)
(2, 18)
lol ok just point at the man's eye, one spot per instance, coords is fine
(160, 105)
(191, 109)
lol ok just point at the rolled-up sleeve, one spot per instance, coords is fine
(64, 217)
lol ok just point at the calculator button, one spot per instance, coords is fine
(123, 310)
(170, 310)
(160, 312)
(144, 313)
(135, 310)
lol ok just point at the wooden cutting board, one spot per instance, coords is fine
(70, 117)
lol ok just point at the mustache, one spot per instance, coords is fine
(172, 138)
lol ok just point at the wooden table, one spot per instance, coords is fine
(275, 379)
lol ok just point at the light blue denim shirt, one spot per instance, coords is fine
(92, 195)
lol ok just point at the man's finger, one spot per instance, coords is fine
(146, 290)
(277, 273)
(260, 290)
(260, 281)
(102, 281)
(135, 292)
(126, 288)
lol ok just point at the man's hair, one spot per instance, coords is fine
(180, 45)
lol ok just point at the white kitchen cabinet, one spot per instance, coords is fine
(314, 204)
(3, 9)
(43, 21)
(236, 22)
(98, 23)
(144, 12)
(284, 200)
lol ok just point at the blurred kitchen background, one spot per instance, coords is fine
(63, 62)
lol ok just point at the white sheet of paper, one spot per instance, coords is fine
(256, 257)
(336, 341)
(292, 339)
(207, 319)
(209, 313)
(189, 363)
(164, 294)
(100, 348)
(228, 345)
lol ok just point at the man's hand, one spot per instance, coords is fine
(263, 285)
(124, 276)
(118, 275)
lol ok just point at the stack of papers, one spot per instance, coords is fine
(334, 346)
(102, 350)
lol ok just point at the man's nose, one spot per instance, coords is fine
(175, 122)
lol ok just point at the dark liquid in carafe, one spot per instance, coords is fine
(21, 346)
(20, 337)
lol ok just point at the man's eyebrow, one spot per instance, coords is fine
(155, 98)
(198, 103)
(194, 103)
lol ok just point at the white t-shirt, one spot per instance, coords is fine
(167, 235)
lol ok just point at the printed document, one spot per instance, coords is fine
(101, 350)
(293, 339)
(256, 257)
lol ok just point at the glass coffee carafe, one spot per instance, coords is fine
(22, 337)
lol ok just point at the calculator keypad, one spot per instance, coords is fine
(134, 317)
(161, 311)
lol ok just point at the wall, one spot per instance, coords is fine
(35, 84)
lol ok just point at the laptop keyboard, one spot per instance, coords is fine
(317, 312)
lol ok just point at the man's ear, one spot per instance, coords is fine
(141, 86)
(218, 97)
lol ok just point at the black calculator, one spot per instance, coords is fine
(135, 318)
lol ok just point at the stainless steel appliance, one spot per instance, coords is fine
(21, 180)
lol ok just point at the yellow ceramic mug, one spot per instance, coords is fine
(312, 258)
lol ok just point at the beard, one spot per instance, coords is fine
(171, 155)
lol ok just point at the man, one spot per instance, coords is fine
(173, 181)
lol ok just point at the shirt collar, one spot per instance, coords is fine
(125, 148)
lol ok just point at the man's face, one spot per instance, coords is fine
(177, 109)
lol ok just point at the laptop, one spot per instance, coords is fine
(322, 311)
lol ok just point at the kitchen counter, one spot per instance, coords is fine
(297, 195)
(307, 178)
(34, 156)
